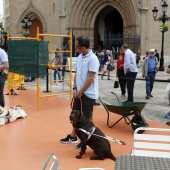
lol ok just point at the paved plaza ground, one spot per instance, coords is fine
(157, 106)
(26, 143)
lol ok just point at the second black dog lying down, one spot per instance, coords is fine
(100, 145)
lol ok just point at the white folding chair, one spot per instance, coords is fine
(155, 142)
(55, 164)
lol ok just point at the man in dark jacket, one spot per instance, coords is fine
(157, 55)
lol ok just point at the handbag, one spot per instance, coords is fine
(156, 69)
(167, 92)
(110, 67)
(116, 84)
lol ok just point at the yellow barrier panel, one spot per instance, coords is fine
(15, 80)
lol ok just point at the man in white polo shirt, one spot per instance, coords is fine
(85, 83)
(3, 66)
(130, 70)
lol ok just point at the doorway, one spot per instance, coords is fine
(36, 23)
(108, 23)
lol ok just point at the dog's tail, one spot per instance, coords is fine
(111, 156)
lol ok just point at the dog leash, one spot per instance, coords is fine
(89, 134)
(72, 104)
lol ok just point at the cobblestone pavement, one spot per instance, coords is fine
(156, 107)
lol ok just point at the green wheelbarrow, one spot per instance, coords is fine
(126, 109)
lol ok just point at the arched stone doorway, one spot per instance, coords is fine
(82, 15)
(108, 21)
(36, 23)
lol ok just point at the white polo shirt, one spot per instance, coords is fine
(84, 65)
(3, 57)
(130, 61)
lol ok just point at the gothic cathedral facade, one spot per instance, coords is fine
(108, 23)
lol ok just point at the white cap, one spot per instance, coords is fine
(152, 50)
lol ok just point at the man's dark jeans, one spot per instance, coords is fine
(150, 78)
(2, 81)
(130, 80)
(122, 81)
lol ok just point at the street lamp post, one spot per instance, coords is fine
(2, 30)
(5, 46)
(162, 19)
(26, 23)
(4, 36)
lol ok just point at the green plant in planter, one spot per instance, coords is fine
(26, 34)
(163, 27)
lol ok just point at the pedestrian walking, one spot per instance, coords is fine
(130, 70)
(148, 72)
(106, 60)
(120, 74)
(138, 56)
(65, 59)
(58, 60)
(157, 55)
(168, 114)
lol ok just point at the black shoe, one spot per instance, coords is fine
(108, 79)
(150, 95)
(69, 139)
(168, 123)
(78, 146)
(147, 97)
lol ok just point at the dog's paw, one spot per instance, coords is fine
(78, 156)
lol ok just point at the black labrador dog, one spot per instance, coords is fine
(101, 146)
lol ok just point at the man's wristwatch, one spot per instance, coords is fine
(75, 88)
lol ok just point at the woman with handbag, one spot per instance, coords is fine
(106, 60)
(120, 74)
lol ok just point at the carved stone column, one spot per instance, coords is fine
(63, 17)
(143, 11)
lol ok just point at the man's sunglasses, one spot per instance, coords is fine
(151, 53)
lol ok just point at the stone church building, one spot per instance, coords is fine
(108, 23)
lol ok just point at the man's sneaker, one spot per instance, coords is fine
(167, 115)
(78, 146)
(58, 84)
(69, 139)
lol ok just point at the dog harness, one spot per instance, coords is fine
(89, 134)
